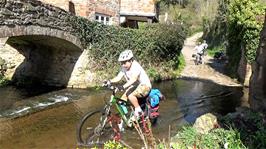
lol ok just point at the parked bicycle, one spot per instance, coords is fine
(98, 126)
(220, 56)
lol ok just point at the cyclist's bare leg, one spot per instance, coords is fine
(133, 99)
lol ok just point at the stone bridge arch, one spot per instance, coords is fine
(44, 35)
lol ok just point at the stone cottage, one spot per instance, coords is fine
(134, 11)
(126, 13)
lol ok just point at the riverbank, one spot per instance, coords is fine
(244, 128)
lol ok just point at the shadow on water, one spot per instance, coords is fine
(197, 96)
(186, 99)
(12, 97)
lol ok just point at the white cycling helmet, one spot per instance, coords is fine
(125, 55)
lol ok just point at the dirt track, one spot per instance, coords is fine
(210, 70)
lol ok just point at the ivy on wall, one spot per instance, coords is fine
(237, 26)
(153, 45)
(245, 21)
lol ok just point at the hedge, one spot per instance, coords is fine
(152, 45)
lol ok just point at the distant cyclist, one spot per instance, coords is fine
(137, 81)
(200, 49)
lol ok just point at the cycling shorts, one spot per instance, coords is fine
(137, 91)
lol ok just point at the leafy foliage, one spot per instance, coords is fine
(244, 26)
(112, 145)
(153, 45)
(215, 30)
(3, 68)
(189, 13)
(183, 3)
(237, 26)
(217, 138)
(250, 125)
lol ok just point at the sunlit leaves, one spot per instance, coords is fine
(245, 26)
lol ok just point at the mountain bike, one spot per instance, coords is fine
(98, 126)
(198, 58)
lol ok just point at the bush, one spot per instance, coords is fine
(250, 125)
(217, 138)
(215, 30)
(153, 45)
(245, 26)
(237, 26)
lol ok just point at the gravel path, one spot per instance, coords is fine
(210, 70)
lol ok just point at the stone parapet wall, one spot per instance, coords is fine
(34, 13)
(257, 96)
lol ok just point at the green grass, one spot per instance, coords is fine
(181, 64)
(212, 51)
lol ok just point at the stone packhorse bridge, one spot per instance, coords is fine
(45, 36)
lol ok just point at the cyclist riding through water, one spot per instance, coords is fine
(137, 84)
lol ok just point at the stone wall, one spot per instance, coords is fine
(63, 4)
(113, 8)
(138, 7)
(257, 96)
(22, 12)
(88, 8)
(104, 7)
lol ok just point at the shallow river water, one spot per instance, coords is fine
(44, 118)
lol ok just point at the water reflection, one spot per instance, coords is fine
(54, 126)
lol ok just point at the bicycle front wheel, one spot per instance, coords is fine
(92, 130)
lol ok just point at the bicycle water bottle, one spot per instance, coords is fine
(124, 108)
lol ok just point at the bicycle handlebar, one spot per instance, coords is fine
(111, 87)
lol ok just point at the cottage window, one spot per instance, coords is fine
(102, 19)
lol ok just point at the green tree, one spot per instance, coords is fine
(245, 21)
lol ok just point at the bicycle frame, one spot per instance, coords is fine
(89, 133)
(114, 101)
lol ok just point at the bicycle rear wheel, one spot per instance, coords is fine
(92, 130)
